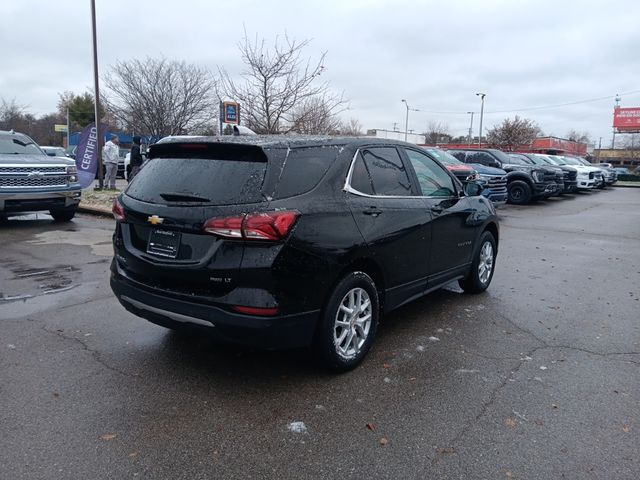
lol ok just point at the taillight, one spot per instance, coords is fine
(230, 227)
(271, 226)
(117, 210)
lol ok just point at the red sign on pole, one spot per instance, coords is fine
(626, 119)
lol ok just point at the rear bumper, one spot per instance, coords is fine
(30, 201)
(277, 332)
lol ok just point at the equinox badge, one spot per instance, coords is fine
(155, 220)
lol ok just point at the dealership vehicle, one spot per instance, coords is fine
(493, 180)
(525, 182)
(621, 170)
(588, 177)
(565, 175)
(30, 180)
(289, 242)
(609, 174)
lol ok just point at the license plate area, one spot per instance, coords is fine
(164, 243)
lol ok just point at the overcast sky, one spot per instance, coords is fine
(437, 55)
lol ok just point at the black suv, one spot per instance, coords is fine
(289, 242)
(525, 182)
(567, 176)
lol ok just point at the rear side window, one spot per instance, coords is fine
(199, 180)
(480, 157)
(303, 169)
(381, 171)
(459, 155)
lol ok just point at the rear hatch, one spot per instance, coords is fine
(162, 242)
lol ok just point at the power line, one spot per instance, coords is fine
(542, 107)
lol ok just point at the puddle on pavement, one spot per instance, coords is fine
(28, 282)
(99, 240)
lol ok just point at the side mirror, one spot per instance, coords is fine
(472, 189)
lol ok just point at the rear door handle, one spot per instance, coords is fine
(374, 211)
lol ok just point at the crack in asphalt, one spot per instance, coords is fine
(441, 452)
(94, 354)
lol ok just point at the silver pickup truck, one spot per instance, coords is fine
(32, 181)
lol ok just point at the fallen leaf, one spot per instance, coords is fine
(508, 474)
(412, 379)
(443, 450)
(108, 436)
(626, 429)
(553, 405)
(510, 422)
(133, 454)
(383, 441)
(386, 365)
(371, 426)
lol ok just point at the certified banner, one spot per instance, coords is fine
(87, 154)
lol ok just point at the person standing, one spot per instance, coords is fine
(135, 158)
(110, 157)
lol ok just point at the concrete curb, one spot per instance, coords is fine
(627, 185)
(101, 212)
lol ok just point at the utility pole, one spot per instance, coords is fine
(470, 127)
(406, 120)
(97, 94)
(481, 95)
(615, 108)
(68, 132)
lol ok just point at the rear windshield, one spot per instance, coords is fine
(199, 181)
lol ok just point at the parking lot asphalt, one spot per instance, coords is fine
(536, 378)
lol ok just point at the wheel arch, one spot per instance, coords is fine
(371, 268)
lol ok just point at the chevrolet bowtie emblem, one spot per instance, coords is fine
(155, 220)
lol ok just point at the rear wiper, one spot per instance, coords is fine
(183, 197)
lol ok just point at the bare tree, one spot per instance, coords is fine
(437, 132)
(317, 115)
(352, 128)
(278, 90)
(161, 97)
(576, 136)
(12, 114)
(512, 134)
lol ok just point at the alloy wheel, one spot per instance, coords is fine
(485, 265)
(352, 323)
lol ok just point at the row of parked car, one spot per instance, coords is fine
(521, 178)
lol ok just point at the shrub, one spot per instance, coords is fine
(629, 178)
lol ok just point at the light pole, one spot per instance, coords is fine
(406, 120)
(481, 95)
(97, 94)
(615, 109)
(470, 127)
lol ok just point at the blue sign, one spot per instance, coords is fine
(231, 112)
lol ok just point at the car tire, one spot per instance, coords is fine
(483, 266)
(343, 338)
(63, 214)
(519, 192)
